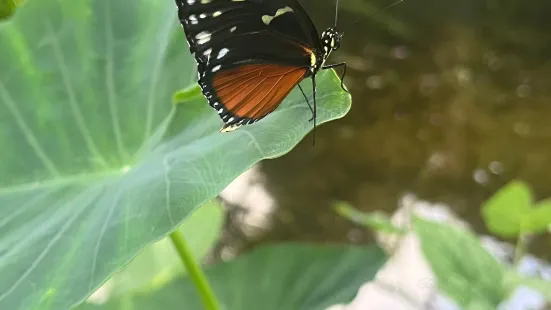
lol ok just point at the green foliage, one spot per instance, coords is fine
(100, 163)
(158, 263)
(504, 211)
(464, 269)
(187, 94)
(376, 221)
(539, 218)
(513, 279)
(289, 276)
(7, 7)
(511, 212)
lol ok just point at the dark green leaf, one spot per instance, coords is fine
(463, 268)
(276, 277)
(91, 175)
(506, 210)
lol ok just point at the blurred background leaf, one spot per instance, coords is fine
(505, 211)
(7, 7)
(100, 162)
(539, 218)
(514, 280)
(376, 221)
(289, 276)
(511, 212)
(465, 271)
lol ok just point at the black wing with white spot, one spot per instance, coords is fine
(227, 35)
(211, 23)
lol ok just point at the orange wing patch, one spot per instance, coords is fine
(253, 91)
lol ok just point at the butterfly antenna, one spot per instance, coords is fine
(337, 12)
(385, 8)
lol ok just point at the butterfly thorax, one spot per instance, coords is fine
(330, 41)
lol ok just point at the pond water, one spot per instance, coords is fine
(451, 100)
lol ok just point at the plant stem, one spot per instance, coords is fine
(195, 272)
(521, 248)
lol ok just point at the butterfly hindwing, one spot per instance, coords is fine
(252, 91)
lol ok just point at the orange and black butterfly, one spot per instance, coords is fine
(251, 53)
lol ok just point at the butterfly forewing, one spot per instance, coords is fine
(268, 44)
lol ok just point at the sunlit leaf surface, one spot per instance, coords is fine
(96, 163)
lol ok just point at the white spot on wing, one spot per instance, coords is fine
(222, 53)
(233, 28)
(202, 35)
(217, 13)
(216, 68)
(267, 19)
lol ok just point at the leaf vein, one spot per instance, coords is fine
(110, 86)
(167, 191)
(100, 238)
(163, 47)
(69, 88)
(27, 131)
(254, 141)
(43, 254)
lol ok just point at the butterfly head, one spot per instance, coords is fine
(331, 40)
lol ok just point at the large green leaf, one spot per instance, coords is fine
(159, 263)
(288, 276)
(88, 174)
(464, 269)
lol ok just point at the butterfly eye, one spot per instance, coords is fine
(336, 43)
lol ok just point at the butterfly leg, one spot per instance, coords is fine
(315, 109)
(342, 64)
(307, 102)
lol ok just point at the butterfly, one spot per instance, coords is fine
(250, 54)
